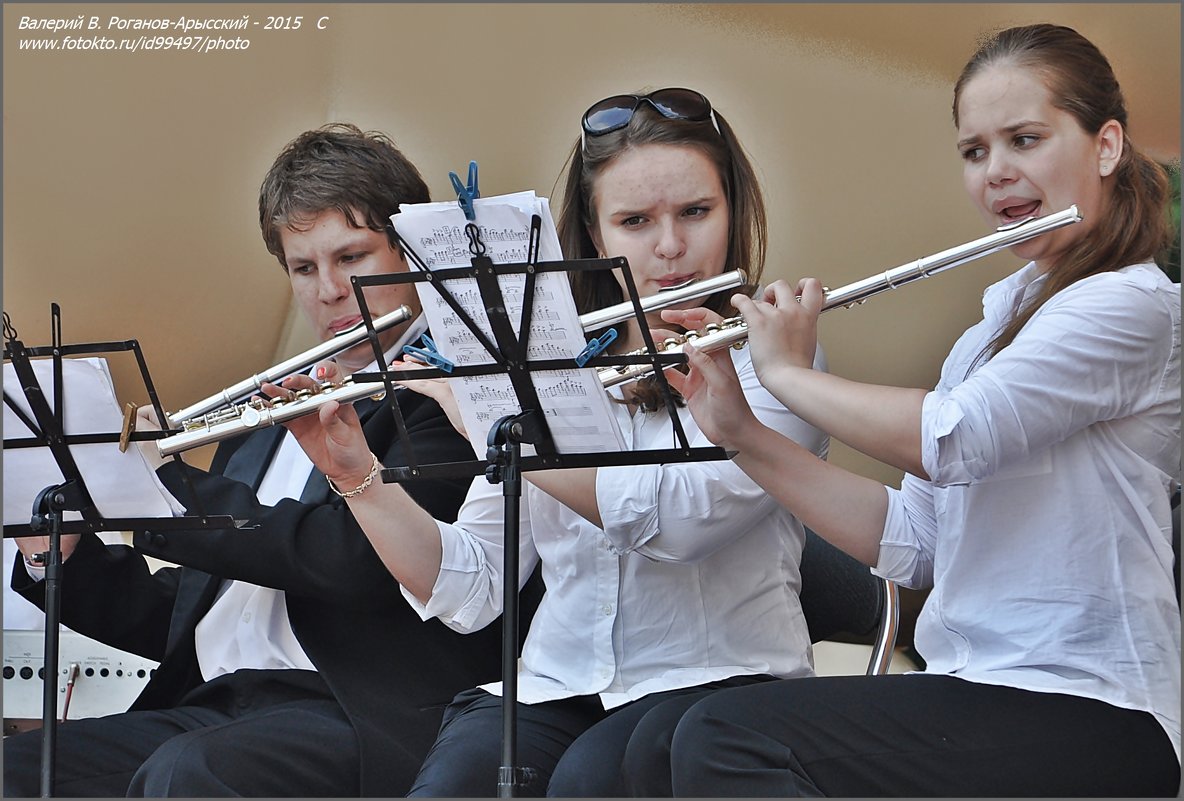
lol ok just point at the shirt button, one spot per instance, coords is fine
(246, 617)
(607, 609)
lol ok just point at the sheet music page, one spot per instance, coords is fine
(121, 484)
(577, 409)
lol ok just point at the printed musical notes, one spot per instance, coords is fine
(448, 245)
(575, 405)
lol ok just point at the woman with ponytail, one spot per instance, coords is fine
(1035, 501)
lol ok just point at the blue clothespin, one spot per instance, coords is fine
(465, 195)
(596, 346)
(430, 354)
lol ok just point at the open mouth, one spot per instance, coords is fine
(1023, 211)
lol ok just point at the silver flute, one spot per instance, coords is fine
(733, 332)
(249, 386)
(219, 417)
(665, 298)
(260, 413)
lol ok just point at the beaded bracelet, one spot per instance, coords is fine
(358, 490)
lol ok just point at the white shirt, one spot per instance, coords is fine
(247, 626)
(1045, 531)
(694, 577)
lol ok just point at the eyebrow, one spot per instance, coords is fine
(336, 253)
(350, 247)
(1010, 129)
(698, 201)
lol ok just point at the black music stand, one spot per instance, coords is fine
(504, 460)
(71, 494)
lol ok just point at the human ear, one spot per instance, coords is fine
(594, 235)
(1109, 140)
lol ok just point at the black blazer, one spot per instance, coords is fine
(391, 672)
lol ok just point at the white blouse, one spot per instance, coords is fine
(1045, 532)
(694, 577)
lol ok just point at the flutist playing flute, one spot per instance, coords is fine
(1035, 502)
(290, 665)
(663, 582)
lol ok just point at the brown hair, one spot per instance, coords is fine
(1133, 225)
(340, 167)
(747, 229)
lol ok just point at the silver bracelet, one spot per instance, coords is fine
(366, 482)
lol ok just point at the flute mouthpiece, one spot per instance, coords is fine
(673, 287)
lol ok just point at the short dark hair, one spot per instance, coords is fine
(337, 166)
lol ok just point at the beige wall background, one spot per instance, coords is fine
(130, 179)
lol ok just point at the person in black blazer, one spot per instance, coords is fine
(332, 686)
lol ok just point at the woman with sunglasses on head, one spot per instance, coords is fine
(661, 580)
(1036, 496)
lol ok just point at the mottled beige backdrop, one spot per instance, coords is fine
(130, 178)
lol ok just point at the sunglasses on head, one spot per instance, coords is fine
(614, 113)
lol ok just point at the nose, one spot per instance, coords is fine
(671, 242)
(1000, 169)
(332, 285)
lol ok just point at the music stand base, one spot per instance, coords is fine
(510, 778)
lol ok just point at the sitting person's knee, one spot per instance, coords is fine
(192, 764)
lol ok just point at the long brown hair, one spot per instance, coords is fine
(1134, 224)
(747, 225)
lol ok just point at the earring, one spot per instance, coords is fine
(1105, 169)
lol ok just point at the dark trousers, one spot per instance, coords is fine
(571, 748)
(908, 736)
(250, 733)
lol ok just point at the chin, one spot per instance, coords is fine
(356, 357)
(1027, 252)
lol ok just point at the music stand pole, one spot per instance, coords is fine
(46, 425)
(47, 513)
(508, 347)
(504, 454)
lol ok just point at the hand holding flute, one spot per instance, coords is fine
(333, 437)
(712, 388)
(782, 334)
(334, 433)
(438, 389)
(782, 337)
(784, 321)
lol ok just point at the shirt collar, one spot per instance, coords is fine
(1003, 298)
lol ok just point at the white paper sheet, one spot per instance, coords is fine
(121, 484)
(576, 407)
